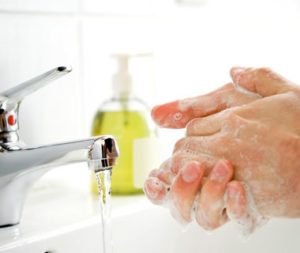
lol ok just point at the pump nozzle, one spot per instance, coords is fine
(122, 81)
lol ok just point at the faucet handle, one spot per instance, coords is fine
(10, 101)
(20, 91)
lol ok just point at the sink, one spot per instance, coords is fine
(60, 215)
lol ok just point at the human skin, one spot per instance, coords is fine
(257, 132)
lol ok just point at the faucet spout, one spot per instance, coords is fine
(19, 169)
(21, 166)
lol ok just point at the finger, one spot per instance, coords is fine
(213, 124)
(159, 182)
(182, 157)
(241, 208)
(236, 201)
(163, 175)
(165, 172)
(211, 145)
(155, 190)
(178, 113)
(210, 212)
(171, 167)
(208, 125)
(185, 188)
(262, 81)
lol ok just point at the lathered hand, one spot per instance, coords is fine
(260, 139)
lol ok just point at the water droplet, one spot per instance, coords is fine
(177, 116)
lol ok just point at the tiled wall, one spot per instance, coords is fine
(193, 48)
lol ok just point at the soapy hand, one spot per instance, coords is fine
(260, 139)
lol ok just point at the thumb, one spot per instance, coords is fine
(262, 81)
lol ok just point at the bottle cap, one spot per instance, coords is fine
(121, 80)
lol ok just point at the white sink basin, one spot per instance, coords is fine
(61, 216)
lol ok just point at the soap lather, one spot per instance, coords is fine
(21, 166)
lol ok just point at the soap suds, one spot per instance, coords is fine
(156, 190)
(253, 219)
(247, 92)
(186, 104)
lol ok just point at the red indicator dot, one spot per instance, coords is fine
(11, 120)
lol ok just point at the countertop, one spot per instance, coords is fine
(61, 201)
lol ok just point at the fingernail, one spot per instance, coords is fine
(232, 192)
(220, 171)
(190, 172)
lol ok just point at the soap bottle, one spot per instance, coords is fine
(127, 118)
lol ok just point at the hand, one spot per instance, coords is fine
(176, 115)
(167, 182)
(242, 135)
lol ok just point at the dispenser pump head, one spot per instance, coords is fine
(122, 82)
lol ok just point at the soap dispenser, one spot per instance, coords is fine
(127, 118)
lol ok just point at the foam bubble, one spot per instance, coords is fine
(169, 203)
(247, 92)
(177, 116)
(253, 220)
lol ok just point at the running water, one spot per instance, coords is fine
(103, 182)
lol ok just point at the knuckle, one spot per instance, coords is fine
(229, 117)
(153, 173)
(234, 114)
(263, 71)
(206, 225)
(192, 126)
(229, 86)
(185, 143)
(179, 144)
(166, 165)
(290, 146)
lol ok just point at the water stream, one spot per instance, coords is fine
(103, 182)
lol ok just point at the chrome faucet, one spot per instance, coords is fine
(21, 166)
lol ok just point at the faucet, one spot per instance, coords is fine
(21, 166)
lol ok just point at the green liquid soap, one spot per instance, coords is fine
(127, 118)
(126, 126)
